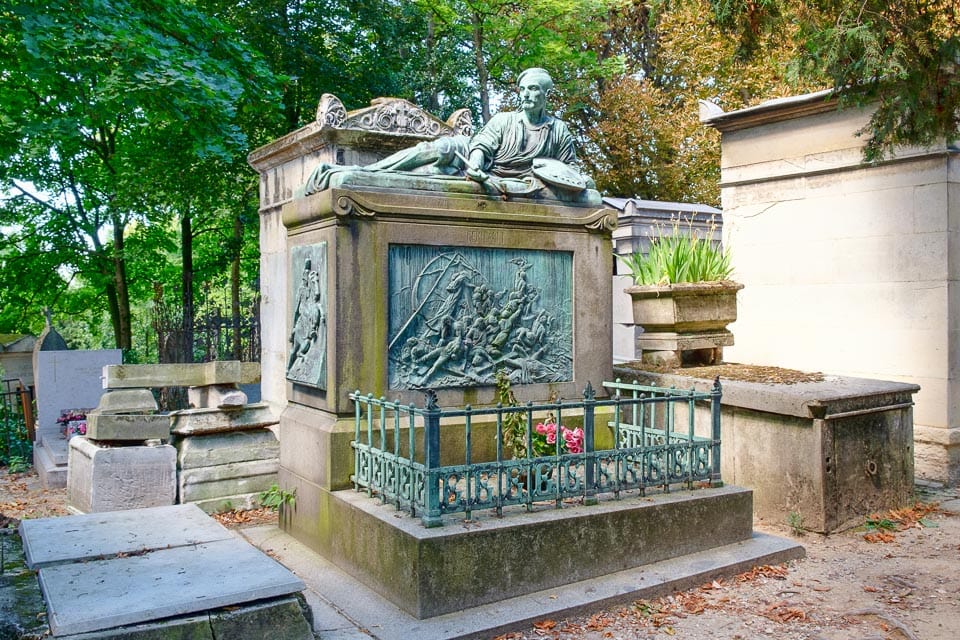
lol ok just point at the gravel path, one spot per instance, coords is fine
(899, 580)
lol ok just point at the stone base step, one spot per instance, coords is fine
(487, 559)
(51, 464)
(342, 604)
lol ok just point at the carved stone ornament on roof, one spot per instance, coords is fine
(461, 121)
(330, 111)
(394, 115)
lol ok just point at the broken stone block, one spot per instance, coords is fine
(127, 401)
(222, 396)
(205, 421)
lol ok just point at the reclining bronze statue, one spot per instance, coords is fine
(517, 153)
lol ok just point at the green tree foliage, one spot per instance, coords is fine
(504, 37)
(900, 58)
(641, 131)
(355, 49)
(108, 105)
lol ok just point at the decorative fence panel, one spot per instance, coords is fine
(397, 450)
(16, 423)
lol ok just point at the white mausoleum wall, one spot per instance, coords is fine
(849, 269)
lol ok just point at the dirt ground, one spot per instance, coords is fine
(895, 578)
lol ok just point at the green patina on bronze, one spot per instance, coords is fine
(307, 361)
(526, 153)
(460, 314)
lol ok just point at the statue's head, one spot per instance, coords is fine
(538, 75)
(534, 85)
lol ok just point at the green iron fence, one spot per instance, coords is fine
(15, 440)
(397, 451)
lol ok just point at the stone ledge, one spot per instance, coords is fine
(831, 397)
(131, 427)
(128, 376)
(429, 572)
(204, 421)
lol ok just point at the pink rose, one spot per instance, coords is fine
(573, 438)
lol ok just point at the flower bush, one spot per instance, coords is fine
(544, 438)
(73, 423)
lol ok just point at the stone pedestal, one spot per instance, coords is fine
(387, 264)
(104, 478)
(684, 323)
(225, 458)
(398, 280)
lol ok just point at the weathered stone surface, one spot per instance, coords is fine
(179, 374)
(273, 619)
(90, 536)
(216, 396)
(50, 461)
(234, 470)
(130, 427)
(102, 478)
(281, 619)
(428, 572)
(226, 448)
(830, 452)
(202, 421)
(226, 470)
(101, 594)
(261, 477)
(171, 574)
(127, 401)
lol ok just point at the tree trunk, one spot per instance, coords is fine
(114, 309)
(235, 287)
(483, 75)
(122, 329)
(186, 284)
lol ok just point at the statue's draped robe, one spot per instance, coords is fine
(511, 145)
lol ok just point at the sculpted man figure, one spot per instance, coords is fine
(515, 152)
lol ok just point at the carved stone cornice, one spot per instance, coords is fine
(329, 205)
(391, 115)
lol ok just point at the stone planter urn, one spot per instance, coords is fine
(684, 323)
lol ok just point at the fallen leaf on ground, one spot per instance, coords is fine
(879, 536)
(545, 625)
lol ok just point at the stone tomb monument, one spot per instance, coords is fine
(434, 268)
(431, 269)
(219, 454)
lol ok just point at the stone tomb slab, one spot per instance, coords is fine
(50, 541)
(170, 573)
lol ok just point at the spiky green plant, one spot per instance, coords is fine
(677, 257)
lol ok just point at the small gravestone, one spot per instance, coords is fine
(66, 380)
